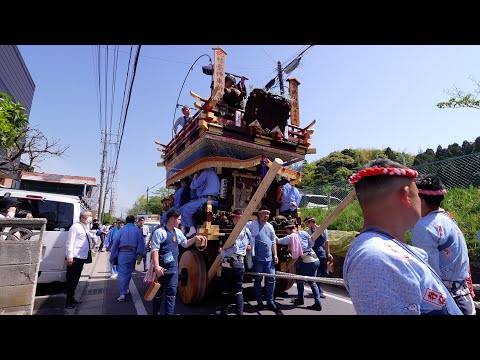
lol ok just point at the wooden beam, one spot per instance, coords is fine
(330, 218)
(198, 97)
(252, 205)
(160, 144)
(309, 125)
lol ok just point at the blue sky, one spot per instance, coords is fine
(361, 96)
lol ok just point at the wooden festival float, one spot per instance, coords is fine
(245, 148)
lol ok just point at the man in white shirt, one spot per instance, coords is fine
(182, 120)
(78, 244)
(145, 231)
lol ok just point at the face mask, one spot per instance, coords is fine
(89, 219)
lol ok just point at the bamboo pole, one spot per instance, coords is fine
(330, 218)
(252, 205)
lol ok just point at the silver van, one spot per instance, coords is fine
(319, 201)
(61, 211)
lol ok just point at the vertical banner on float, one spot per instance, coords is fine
(294, 108)
(219, 72)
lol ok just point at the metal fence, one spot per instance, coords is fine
(458, 172)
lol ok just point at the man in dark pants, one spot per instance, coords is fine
(103, 234)
(164, 243)
(233, 269)
(145, 230)
(77, 247)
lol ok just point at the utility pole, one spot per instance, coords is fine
(292, 65)
(280, 77)
(112, 201)
(102, 178)
(146, 210)
(107, 189)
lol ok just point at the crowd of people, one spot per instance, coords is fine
(382, 273)
(125, 240)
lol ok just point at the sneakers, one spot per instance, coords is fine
(121, 298)
(192, 232)
(322, 296)
(298, 302)
(316, 306)
(114, 276)
(145, 270)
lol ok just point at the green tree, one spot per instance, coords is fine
(109, 218)
(462, 99)
(18, 139)
(342, 173)
(163, 192)
(339, 165)
(13, 121)
(154, 203)
(425, 157)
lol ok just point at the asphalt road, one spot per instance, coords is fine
(99, 293)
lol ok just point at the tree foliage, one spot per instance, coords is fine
(339, 165)
(154, 203)
(451, 151)
(19, 140)
(13, 121)
(462, 99)
(109, 218)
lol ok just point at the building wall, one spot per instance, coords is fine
(15, 78)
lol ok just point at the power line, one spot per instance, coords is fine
(99, 86)
(95, 74)
(186, 63)
(121, 122)
(128, 105)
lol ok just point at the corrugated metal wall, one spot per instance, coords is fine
(15, 78)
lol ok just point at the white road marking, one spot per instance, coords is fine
(330, 295)
(137, 299)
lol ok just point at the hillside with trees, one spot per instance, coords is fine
(339, 165)
(452, 150)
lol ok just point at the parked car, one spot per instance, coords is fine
(61, 211)
(319, 201)
(151, 226)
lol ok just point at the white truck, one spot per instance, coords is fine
(61, 211)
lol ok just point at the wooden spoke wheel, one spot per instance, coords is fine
(281, 284)
(192, 277)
